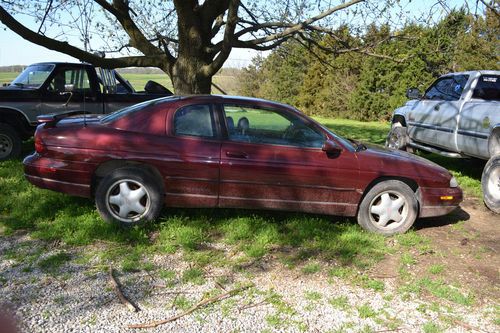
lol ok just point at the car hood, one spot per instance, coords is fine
(397, 163)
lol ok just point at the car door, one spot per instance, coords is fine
(194, 156)
(478, 116)
(273, 159)
(69, 89)
(433, 120)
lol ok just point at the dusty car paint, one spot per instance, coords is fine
(218, 172)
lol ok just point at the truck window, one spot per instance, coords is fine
(447, 88)
(74, 79)
(33, 76)
(488, 88)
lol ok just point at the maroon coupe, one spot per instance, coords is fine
(232, 152)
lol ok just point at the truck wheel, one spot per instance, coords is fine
(398, 138)
(129, 196)
(490, 182)
(10, 143)
(390, 207)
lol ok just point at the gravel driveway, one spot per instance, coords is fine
(78, 297)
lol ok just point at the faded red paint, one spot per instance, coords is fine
(200, 172)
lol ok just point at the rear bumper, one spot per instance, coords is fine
(61, 176)
(439, 201)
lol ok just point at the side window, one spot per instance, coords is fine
(75, 80)
(195, 120)
(447, 89)
(246, 124)
(488, 88)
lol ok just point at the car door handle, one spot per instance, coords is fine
(236, 154)
(436, 108)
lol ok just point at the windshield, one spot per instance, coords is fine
(33, 76)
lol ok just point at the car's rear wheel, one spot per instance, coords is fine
(490, 182)
(398, 138)
(10, 143)
(390, 207)
(129, 196)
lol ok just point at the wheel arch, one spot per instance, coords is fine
(399, 118)
(18, 121)
(494, 141)
(107, 167)
(408, 181)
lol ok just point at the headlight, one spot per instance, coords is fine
(453, 182)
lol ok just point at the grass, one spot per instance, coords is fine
(52, 263)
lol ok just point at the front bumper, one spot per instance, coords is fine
(67, 177)
(439, 201)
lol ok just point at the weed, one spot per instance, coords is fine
(366, 311)
(431, 327)
(53, 262)
(436, 269)
(313, 296)
(340, 302)
(407, 259)
(182, 302)
(193, 275)
(311, 268)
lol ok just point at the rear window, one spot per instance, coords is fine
(488, 88)
(133, 108)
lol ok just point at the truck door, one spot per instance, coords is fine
(69, 89)
(478, 116)
(434, 119)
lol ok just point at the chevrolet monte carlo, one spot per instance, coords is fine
(232, 152)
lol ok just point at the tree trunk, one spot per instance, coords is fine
(188, 78)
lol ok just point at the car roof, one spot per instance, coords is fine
(224, 99)
(480, 71)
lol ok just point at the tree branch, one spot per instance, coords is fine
(227, 43)
(121, 11)
(302, 25)
(64, 47)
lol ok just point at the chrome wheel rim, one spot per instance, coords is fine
(393, 141)
(493, 184)
(5, 145)
(128, 200)
(388, 210)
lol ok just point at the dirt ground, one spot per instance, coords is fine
(466, 243)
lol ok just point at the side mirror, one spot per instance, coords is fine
(331, 148)
(69, 87)
(413, 93)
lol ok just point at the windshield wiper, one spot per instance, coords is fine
(18, 84)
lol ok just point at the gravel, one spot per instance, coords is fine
(78, 298)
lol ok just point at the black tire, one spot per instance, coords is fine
(10, 142)
(138, 208)
(375, 205)
(398, 139)
(490, 182)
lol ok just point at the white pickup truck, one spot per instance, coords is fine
(457, 116)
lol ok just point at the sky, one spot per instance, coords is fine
(14, 50)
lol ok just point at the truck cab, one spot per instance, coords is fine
(57, 88)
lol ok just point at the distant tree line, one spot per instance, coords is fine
(369, 85)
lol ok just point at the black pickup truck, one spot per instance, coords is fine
(45, 88)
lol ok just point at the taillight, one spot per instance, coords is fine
(39, 145)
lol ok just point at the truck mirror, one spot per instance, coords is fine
(69, 87)
(413, 93)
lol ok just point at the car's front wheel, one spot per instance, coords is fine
(390, 207)
(129, 196)
(490, 182)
